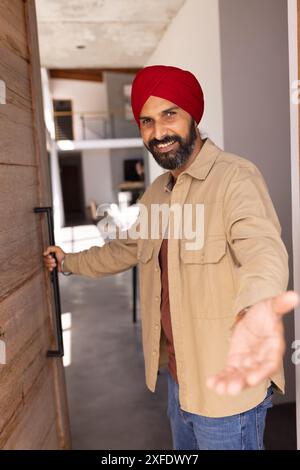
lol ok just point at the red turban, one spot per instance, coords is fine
(171, 83)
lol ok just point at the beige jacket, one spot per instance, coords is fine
(242, 261)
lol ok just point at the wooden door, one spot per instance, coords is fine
(33, 406)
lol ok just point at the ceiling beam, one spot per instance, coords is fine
(94, 75)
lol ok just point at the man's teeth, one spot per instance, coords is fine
(161, 146)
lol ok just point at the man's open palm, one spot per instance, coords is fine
(256, 345)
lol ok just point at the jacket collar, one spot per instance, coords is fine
(201, 166)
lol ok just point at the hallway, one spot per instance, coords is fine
(110, 406)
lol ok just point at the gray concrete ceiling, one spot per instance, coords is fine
(115, 33)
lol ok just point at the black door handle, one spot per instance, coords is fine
(54, 278)
(134, 292)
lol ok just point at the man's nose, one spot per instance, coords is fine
(160, 131)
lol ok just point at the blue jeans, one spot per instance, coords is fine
(243, 431)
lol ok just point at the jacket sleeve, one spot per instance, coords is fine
(116, 256)
(253, 233)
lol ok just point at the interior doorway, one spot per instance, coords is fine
(72, 187)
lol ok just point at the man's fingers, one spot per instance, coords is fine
(284, 303)
(249, 372)
(251, 366)
(233, 382)
(50, 249)
(227, 382)
(49, 260)
(264, 371)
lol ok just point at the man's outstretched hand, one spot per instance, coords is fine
(256, 345)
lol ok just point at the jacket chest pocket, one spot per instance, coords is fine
(212, 252)
(207, 280)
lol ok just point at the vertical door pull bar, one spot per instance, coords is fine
(54, 278)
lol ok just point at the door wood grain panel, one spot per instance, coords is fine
(14, 70)
(13, 27)
(19, 232)
(38, 416)
(16, 136)
(33, 404)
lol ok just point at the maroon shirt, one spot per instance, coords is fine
(165, 309)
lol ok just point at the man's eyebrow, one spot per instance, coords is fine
(144, 117)
(165, 111)
(169, 109)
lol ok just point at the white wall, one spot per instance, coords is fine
(47, 102)
(192, 42)
(57, 198)
(86, 96)
(97, 176)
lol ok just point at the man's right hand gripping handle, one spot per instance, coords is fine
(49, 260)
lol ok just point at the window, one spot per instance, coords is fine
(63, 119)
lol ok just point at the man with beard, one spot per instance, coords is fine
(213, 314)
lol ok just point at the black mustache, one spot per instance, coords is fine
(166, 140)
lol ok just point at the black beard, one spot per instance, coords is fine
(175, 158)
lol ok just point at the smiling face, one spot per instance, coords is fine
(168, 132)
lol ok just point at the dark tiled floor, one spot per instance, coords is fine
(110, 406)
